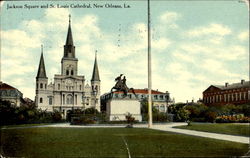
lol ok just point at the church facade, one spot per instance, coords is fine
(69, 90)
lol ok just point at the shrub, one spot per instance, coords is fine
(129, 118)
(232, 119)
(210, 116)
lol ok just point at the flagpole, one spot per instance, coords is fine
(149, 71)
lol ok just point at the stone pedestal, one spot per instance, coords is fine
(117, 109)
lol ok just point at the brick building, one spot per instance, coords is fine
(236, 93)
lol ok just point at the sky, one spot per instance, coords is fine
(195, 44)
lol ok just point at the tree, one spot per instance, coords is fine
(181, 114)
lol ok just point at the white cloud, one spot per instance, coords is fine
(212, 29)
(19, 38)
(169, 18)
(183, 56)
(161, 43)
(243, 36)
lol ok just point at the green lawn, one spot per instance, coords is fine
(108, 142)
(224, 128)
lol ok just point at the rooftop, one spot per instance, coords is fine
(142, 91)
(5, 86)
(242, 84)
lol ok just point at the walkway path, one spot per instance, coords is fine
(169, 128)
(163, 127)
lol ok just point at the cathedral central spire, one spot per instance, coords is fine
(69, 40)
(69, 48)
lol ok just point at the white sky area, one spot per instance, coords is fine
(190, 50)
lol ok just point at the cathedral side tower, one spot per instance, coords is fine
(41, 84)
(69, 61)
(95, 85)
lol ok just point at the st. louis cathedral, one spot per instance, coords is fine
(69, 90)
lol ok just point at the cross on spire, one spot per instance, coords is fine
(41, 48)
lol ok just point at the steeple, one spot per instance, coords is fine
(69, 40)
(95, 75)
(41, 73)
(69, 48)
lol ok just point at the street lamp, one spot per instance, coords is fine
(95, 94)
(84, 103)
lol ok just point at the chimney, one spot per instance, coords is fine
(226, 84)
(242, 81)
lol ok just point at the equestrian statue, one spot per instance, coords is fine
(121, 86)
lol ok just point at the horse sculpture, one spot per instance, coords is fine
(121, 86)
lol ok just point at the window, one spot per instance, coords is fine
(161, 97)
(63, 99)
(67, 72)
(41, 100)
(162, 108)
(58, 86)
(50, 100)
(45, 86)
(41, 85)
(69, 99)
(157, 107)
(75, 99)
(80, 87)
(72, 72)
(156, 96)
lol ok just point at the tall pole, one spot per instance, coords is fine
(149, 71)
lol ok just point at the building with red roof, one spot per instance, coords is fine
(9, 93)
(160, 100)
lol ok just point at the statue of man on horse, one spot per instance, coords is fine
(122, 86)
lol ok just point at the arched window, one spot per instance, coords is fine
(58, 86)
(162, 108)
(69, 99)
(41, 85)
(72, 72)
(67, 72)
(45, 86)
(157, 107)
(41, 100)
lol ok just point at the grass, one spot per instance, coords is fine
(49, 142)
(223, 128)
